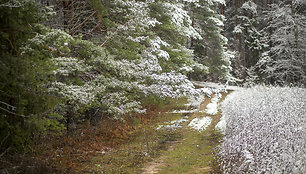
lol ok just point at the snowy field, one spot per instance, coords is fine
(265, 131)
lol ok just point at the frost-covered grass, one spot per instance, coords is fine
(265, 131)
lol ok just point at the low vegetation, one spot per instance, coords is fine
(265, 131)
(106, 146)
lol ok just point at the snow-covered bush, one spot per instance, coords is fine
(87, 75)
(265, 131)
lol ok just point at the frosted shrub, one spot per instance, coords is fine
(88, 76)
(265, 131)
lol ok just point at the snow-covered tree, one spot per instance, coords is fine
(211, 50)
(284, 62)
(267, 38)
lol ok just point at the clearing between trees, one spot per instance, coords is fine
(181, 141)
(193, 153)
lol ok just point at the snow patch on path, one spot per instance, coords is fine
(200, 124)
(212, 107)
(175, 124)
(183, 111)
(195, 101)
(222, 124)
(193, 105)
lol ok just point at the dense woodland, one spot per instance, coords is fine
(65, 62)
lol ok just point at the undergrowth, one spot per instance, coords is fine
(108, 146)
(144, 144)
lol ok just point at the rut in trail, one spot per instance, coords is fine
(193, 153)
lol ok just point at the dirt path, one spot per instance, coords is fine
(153, 166)
(194, 152)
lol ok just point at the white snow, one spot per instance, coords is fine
(175, 124)
(183, 111)
(221, 125)
(238, 29)
(265, 130)
(212, 108)
(179, 121)
(195, 101)
(200, 124)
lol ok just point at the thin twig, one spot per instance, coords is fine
(13, 107)
(3, 153)
(13, 113)
(97, 27)
(5, 138)
(84, 22)
(109, 37)
(113, 34)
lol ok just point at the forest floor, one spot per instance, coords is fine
(160, 141)
(165, 145)
(194, 152)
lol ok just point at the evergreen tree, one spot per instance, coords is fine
(25, 106)
(211, 50)
(140, 57)
(267, 40)
(284, 62)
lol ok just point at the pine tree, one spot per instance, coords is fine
(267, 39)
(25, 106)
(284, 62)
(141, 56)
(211, 51)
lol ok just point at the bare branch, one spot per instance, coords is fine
(13, 107)
(5, 138)
(109, 37)
(84, 22)
(13, 113)
(6, 150)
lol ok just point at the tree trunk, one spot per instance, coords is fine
(66, 12)
(271, 2)
(297, 45)
(222, 13)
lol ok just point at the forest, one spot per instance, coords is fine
(108, 69)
